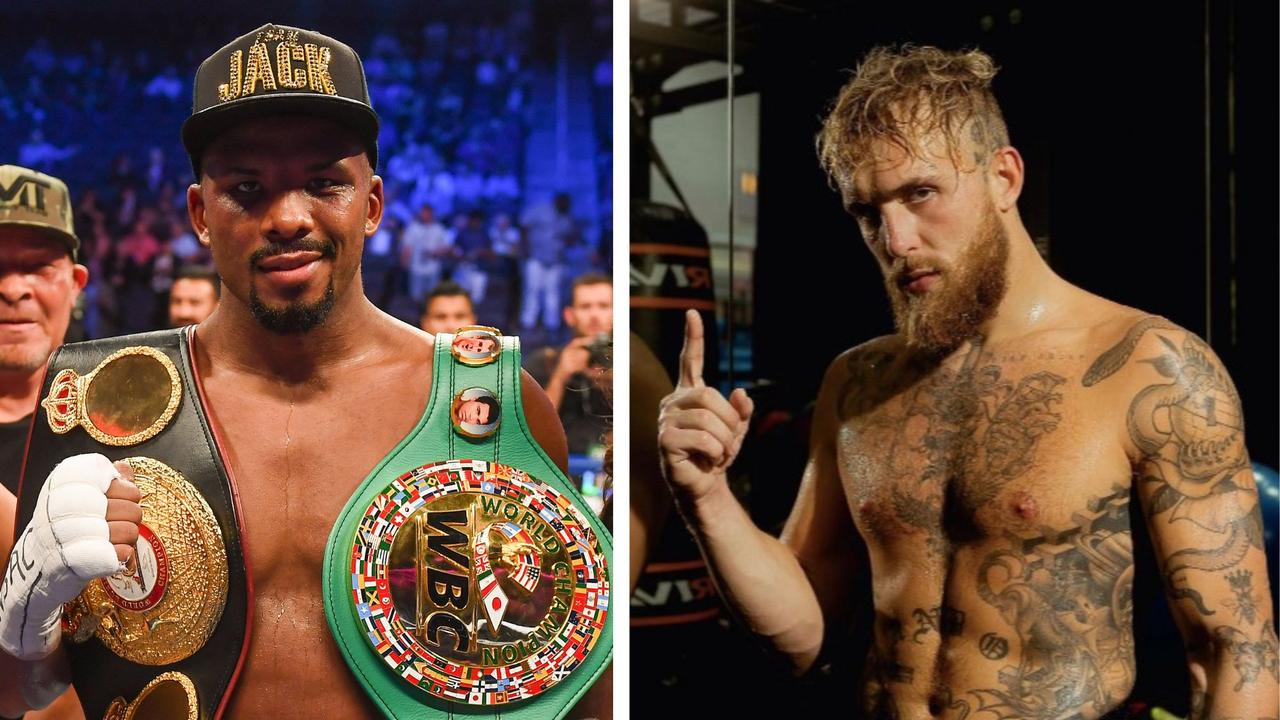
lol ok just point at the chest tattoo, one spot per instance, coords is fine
(954, 435)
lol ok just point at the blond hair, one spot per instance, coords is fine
(903, 95)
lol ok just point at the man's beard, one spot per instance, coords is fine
(296, 317)
(937, 322)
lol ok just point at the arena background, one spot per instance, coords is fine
(1150, 138)
(488, 108)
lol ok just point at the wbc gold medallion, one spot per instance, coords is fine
(163, 606)
(127, 399)
(477, 583)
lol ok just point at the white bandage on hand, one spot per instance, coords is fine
(66, 545)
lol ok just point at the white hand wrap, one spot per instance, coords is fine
(66, 545)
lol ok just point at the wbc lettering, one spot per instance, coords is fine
(444, 588)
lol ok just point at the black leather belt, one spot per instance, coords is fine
(177, 621)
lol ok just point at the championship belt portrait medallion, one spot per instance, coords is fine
(475, 413)
(165, 603)
(477, 583)
(476, 345)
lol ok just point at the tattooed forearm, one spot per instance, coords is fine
(1249, 657)
(1244, 604)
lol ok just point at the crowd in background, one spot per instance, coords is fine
(455, 95)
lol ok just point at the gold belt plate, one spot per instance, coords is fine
(166, 603)
(478, 583)
(127, 399)
(171, 695)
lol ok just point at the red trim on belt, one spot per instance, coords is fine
(244, 545)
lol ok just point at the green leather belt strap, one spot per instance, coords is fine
(435, 440)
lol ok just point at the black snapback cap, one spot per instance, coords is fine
(278, 70)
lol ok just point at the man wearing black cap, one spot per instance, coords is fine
(297, 387)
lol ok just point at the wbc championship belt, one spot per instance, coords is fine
(164, 637)
(467, 575)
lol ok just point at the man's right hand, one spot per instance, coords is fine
(85, 526)
(699, 431)
(574, 358)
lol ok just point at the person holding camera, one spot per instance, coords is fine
(576, 376)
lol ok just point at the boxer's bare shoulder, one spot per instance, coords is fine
(861, 376)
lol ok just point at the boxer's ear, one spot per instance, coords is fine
(376, 201)
(195, 211)
(1005, 178)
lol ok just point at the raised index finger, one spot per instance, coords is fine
(691, 354)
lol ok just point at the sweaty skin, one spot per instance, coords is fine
(991, 491)
(292, 483)
(989, 487)
(303, 417)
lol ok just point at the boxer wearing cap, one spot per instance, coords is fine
(263, 429)
(983, 458)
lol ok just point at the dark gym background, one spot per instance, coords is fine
(1149, 133)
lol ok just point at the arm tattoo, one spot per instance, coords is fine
(1190, 431)
(1113, 359)
(1249, 657)
(1244, 604)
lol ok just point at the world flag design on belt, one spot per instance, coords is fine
(468, 639)
(495, 601)
(524, 556)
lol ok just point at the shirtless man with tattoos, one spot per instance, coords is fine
(985, 454)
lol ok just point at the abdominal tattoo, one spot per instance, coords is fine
(1067, 595)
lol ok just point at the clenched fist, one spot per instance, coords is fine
(699, 431)
(85, 526)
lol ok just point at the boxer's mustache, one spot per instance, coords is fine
(902, 268)
(326, 248)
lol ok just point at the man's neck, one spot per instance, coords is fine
(1035, 296)
(232, 336)
(19, 392)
